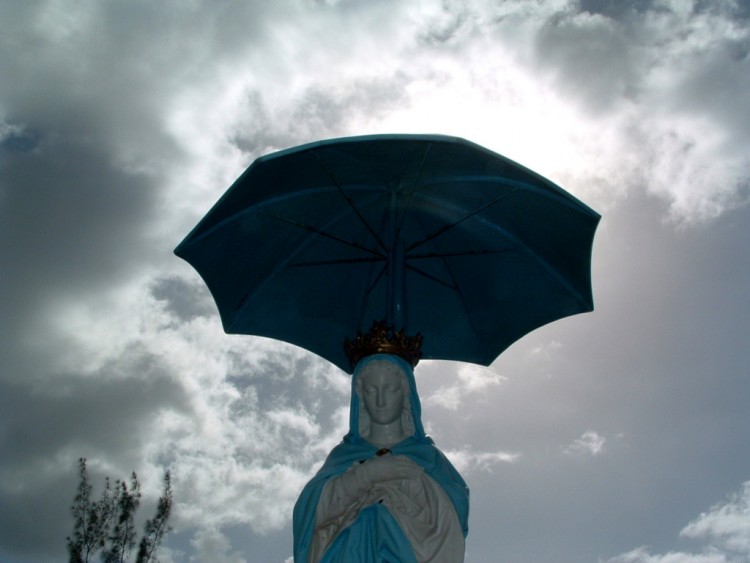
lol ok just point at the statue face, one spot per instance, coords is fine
(382, 391)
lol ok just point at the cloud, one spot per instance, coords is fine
(211, 544)
(589, 443)
(641, 555)
(546, 349)
(725, 524)
(472, 380)
(609, 94)
(467, 460)
(242, 423)
(724, 531)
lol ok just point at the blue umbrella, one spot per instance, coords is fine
(433, 234)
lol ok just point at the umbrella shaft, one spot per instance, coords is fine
(396, 298)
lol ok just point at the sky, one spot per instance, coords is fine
(617, 436)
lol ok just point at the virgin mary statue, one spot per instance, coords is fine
(385, 493)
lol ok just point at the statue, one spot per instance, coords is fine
(385, 493)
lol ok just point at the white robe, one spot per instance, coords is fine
(419, 505)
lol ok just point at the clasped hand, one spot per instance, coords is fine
(387, 468)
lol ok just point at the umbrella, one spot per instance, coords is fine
(433, 234)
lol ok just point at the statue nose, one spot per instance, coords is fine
(380, 400)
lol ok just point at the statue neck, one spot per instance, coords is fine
(386, 435)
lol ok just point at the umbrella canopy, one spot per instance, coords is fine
(434, 234)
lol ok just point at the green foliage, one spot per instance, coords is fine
(107, 525)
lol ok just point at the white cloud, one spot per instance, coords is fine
(472, 380)
(467, 460)
(641, 555)
(727, 525)
(211, 544)
(724, 531)
(590, 443)
(595, 103)
(546, 349)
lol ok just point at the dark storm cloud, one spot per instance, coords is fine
(15, 139)
(717, 77)
(41, 509)
(614, 8)
(317, 112)
(607, 55)
(85, 150)
(102, 416)
(321, 110)
(70, 220)
(108, 409)
(590, 58)
(75, 209)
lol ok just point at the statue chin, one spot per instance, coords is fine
(386, 488)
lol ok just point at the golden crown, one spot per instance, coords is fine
(384, 339)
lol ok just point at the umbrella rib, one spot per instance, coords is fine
(546, 189)
(453, 286)
(543, 262)
(521, 248)
(323, 233)
(456, 254)
(336, 262)
(552, 192)
(413, 187)
(348, 199)
(445, 228)
(368, 291)
(431, 277)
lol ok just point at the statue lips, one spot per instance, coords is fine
(385, 415)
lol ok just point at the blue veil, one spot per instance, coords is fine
(375, 536)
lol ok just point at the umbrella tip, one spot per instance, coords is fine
(384, 339)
